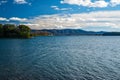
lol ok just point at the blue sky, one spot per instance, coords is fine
(94, 15)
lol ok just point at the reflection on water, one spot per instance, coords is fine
(60, 58)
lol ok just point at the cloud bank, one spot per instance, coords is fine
(98, 19)
(102, 19)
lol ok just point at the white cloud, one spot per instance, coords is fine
(14, 19)
(36, 26)
(93, 19)
(57, 8)
(21, 2)
(3, 2)
(89, 3)
(18, 19)
(115, 2)
(100, 3)
(98, 19)
(3, 19)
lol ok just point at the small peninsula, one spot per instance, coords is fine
(13, 31)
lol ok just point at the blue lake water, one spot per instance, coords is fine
(60, 58)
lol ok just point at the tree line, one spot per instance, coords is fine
(13, 31)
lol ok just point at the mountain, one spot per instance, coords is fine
(70, 32)
(64, 32)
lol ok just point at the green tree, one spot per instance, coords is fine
(9, 30)
(1, 30)
(24, 31)
(13, 31)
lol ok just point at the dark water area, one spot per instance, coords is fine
(60, 58)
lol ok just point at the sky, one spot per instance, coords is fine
(91, 15)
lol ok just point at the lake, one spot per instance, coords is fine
(60, 58)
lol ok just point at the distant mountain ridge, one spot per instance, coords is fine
(70, 32)
(65, 32)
